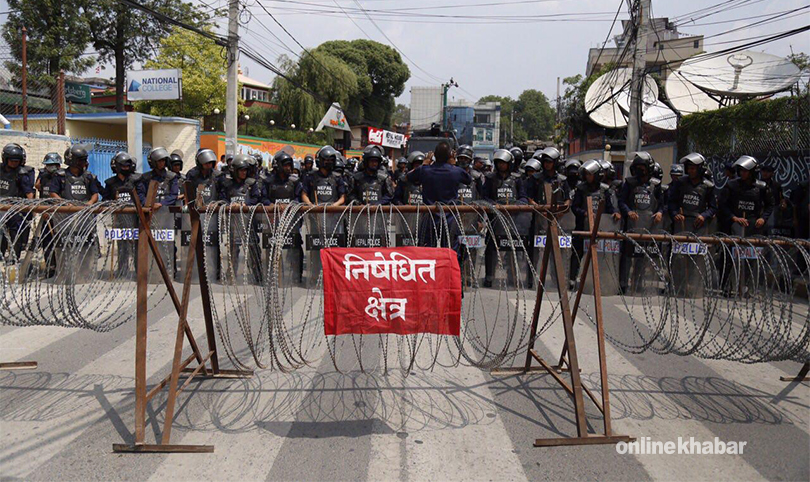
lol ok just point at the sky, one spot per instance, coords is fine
(498, 47)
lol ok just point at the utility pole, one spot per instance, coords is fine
(25, 78)
(512, 126)
(637, 81)
(231, 99)
(445, 88)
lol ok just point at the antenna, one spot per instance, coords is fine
(608, 98)
(740, 75)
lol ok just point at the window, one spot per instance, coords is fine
(696, 44)
(482, 118)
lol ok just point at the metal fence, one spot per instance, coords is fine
(101, 152)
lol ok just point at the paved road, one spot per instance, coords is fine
(450, 423)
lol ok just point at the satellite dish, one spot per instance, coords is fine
(685, 97)
(608, 97)
(659, 115)
(740, 74)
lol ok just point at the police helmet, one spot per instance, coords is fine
(326, 157)
(282, 158)
(693, 158)
(642, 158)
(517, 154)
(78, 155)
(122, 162)
(465, 151)
(504, 156)
(13, 152)
(747, 163)
(488, 164)
(676, 170)
(533, 164)
(297, 165)
(205, 156)
(175, 159)
(158, 154)
(591, 166)
(241, 161)
(340, 164)
(309, 159)
(373, 152)
(228, 159)
(608, 170)
(549, 153)
(67, 156)
(658, 171)
(52, 158)
(416, 156)
(572, 164)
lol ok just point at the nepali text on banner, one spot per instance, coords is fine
(405, 290)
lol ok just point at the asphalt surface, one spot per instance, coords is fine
(443, 423)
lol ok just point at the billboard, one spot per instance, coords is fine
(162, 84)
(386, 138)
(77, 93)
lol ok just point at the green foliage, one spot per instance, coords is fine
(533, 117)
(126, 35)
(327, 77)
(802, 61)
(401, 115)
(362, 75)
(381, 75)
(259, 126)
(204, 69)
(572, 109)
(738, 129)
(57, 38)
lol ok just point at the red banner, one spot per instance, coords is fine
(403, 290)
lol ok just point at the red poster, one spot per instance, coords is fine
(403, 290)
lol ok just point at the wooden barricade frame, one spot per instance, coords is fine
(576, 388)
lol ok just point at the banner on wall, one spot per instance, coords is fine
(405, 290)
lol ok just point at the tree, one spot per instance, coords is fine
(401, 115)
(535, 114)
(126, 35)
(203, 69)
(572, 109)
(381, 76)
(509, 134)
(309, 86)
(802, 61)
(57, 38)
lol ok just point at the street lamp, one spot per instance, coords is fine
(247, 119)
(216, 118)
(311, 130)
(292, 126)
(272, 122)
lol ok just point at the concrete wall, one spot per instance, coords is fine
(101, 130)
(36, 144)
(174, 136)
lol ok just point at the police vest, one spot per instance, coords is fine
(239, 192)
(506, 190)
(642, 195)
(10, 182)
(164, 186)
(369, 189)
(597, 192)
(746, 199)
(76, 188)
(412, 193)
(45, 179)
(467, 194)
(123, 189)
(206, 186)
(281, 192)
(558, 189)
(324, 189)
(694, 198)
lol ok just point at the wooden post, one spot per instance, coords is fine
(60, 108)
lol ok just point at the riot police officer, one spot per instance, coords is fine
(550, 161)
(641, 192)
(76, 182)
(642, 207)
(487, 165)
(500, 187)
(240, 188)
(205, 173)
(402, 169)
(410, 192)
(745, 203)
(15, 181)
(176, 165)
(52, 162)
(571, 172)
(372, 185)
(168, 187)
(282, 186)
(120, 185)
(467, 160)
(309, 162)
(323, 186)
(691, 199)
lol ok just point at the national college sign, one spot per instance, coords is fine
(164, 84)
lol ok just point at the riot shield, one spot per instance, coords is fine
(641, 258)
(77, 248)
(241, 260)
(321, 230)
(565, 224)
(163, 232)
(690, 266)
(608, 254)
